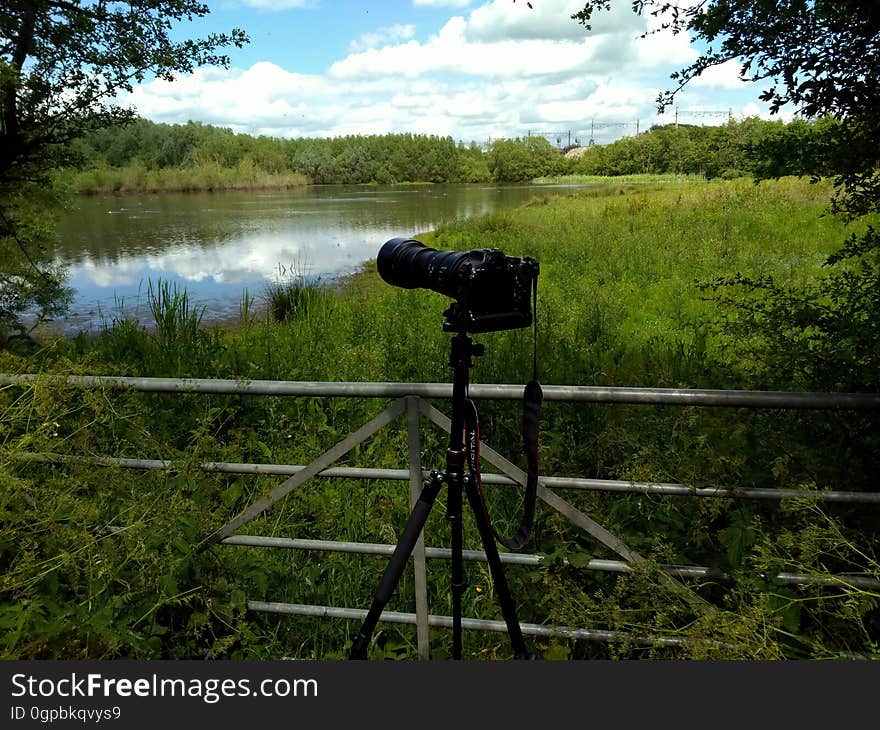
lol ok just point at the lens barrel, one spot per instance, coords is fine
(411, 264)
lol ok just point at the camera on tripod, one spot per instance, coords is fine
(492, 292)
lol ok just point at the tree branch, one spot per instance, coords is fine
(12, 233)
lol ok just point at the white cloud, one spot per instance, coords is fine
(505, 40)
(546, 19)
(379, 36)
(483, 74)
(723, 76)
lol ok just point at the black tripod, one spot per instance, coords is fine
(463, 350)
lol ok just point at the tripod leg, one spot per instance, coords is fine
(454, 515)
(508, 608)
(396, 566)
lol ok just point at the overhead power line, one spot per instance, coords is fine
(570, 137)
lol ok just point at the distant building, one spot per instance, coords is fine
(576, 152)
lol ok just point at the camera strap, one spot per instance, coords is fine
(531, 416)
(533, 397)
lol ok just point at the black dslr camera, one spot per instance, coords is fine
(492, 291)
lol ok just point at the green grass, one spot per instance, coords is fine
(618, 304)
(618, 179)
(202, 177)
(619, 271)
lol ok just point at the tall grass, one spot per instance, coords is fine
(292, 294)
(177, 321)
(619, 304)
(618, 179)
(204, 176)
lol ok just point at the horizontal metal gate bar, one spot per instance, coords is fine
(445, 622)
(577, 393)
(609, 566)
(601, 485)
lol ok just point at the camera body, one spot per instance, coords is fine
(492, 291)
(496, 293)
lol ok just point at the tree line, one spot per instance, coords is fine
(746, 147)
(355, 159)
(752, 146)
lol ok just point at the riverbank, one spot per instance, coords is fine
(644, 178)
(135, 179)
(620, 303)
(204, 177)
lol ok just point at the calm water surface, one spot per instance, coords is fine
(218, 245)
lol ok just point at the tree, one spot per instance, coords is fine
(518, 160)
(62, 65)
(820, 58)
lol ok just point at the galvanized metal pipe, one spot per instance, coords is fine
(611, 566)
(601, 485)
(420, 568)
(683, 490)
(575, 393)
(222, 467)
(473, 624)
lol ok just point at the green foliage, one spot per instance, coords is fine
(291, 295)
(825, 332)
(819, 336)
(818, 333)
(148, 156)
(518, 160)
(100, 564)
(61, 66)
(71, 587)
(178, 334)
(29, 283)
(750, 147)
(144, 156)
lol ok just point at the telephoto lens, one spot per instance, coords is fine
(492, 291)
(411, 264)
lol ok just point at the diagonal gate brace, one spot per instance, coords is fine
(314, 468)
(554, 500)
(565, 508)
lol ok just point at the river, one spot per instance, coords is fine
(217, 245)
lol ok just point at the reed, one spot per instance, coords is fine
(206, 176)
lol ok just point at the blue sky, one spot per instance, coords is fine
(472, 69)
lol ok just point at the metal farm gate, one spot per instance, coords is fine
(411, 403)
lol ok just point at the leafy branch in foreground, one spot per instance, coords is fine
(62, 65)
